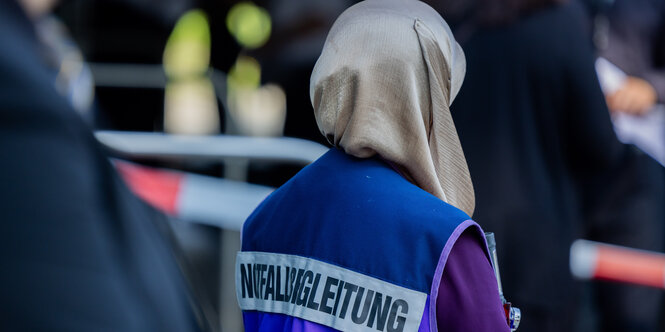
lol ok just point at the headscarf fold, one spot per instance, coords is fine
(383, 85)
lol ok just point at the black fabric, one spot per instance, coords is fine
(547, 167)
(78, 252)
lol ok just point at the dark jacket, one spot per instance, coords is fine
(547, 167)
(78, 252)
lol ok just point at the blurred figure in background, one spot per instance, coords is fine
(77, 250)
(635, 42)
(630, 37)
(545, 162)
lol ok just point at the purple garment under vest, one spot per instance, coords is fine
(464, 303)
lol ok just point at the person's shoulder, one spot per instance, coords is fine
(372, 179)
(354, 184)
(559, 21)
(559, 12)
(416, 204)
(552, 38)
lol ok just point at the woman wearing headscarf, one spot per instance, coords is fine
(376, 234)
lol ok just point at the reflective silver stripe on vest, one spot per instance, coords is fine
(325, 294)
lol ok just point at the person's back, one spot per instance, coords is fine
(332, 211)
(376, 234)
(359, 227)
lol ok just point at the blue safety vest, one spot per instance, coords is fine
(347, 244)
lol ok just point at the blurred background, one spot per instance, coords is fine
(561, 117)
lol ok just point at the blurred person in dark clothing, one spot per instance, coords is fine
(635, 42)
(630, 38)
(78, 251)
(546, 164)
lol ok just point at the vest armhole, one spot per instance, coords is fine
(443, 258)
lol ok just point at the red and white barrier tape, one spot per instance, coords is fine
(594, 260)
(193, 197)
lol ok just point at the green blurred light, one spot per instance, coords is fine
(188, 48)
(249, 24)
(245, 74)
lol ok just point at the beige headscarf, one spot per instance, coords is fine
(383, 85)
